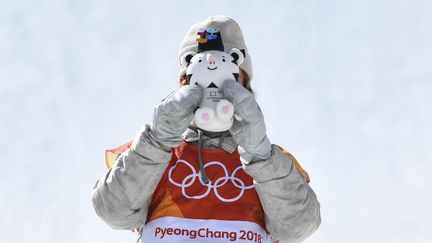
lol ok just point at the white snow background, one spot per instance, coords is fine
(344, 85)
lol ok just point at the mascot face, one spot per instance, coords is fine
(209, 69)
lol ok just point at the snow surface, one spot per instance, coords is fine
(345, 85)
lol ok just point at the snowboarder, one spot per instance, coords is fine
(176, 182)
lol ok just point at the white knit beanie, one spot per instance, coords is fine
(232, 37)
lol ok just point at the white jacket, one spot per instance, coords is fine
(123, 195)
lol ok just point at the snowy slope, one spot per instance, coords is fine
(346, 86)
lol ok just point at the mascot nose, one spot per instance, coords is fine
(211, 59)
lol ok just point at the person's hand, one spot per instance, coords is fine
(249, 130)
(173, 115)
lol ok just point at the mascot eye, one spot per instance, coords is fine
(223, 60)
(199, 60)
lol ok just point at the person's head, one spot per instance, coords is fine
(232, 37)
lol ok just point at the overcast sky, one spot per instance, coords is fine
(346, 86)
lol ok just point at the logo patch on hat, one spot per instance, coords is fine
(209, 39)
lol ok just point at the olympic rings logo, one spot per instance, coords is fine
(191, 178)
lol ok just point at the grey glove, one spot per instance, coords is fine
(249, 131)
(173, 115)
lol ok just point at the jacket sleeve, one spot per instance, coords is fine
(292, 211)
(121, 197)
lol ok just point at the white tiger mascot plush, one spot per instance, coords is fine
(209, 68)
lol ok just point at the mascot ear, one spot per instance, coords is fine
(237, 55)
(186, 58)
